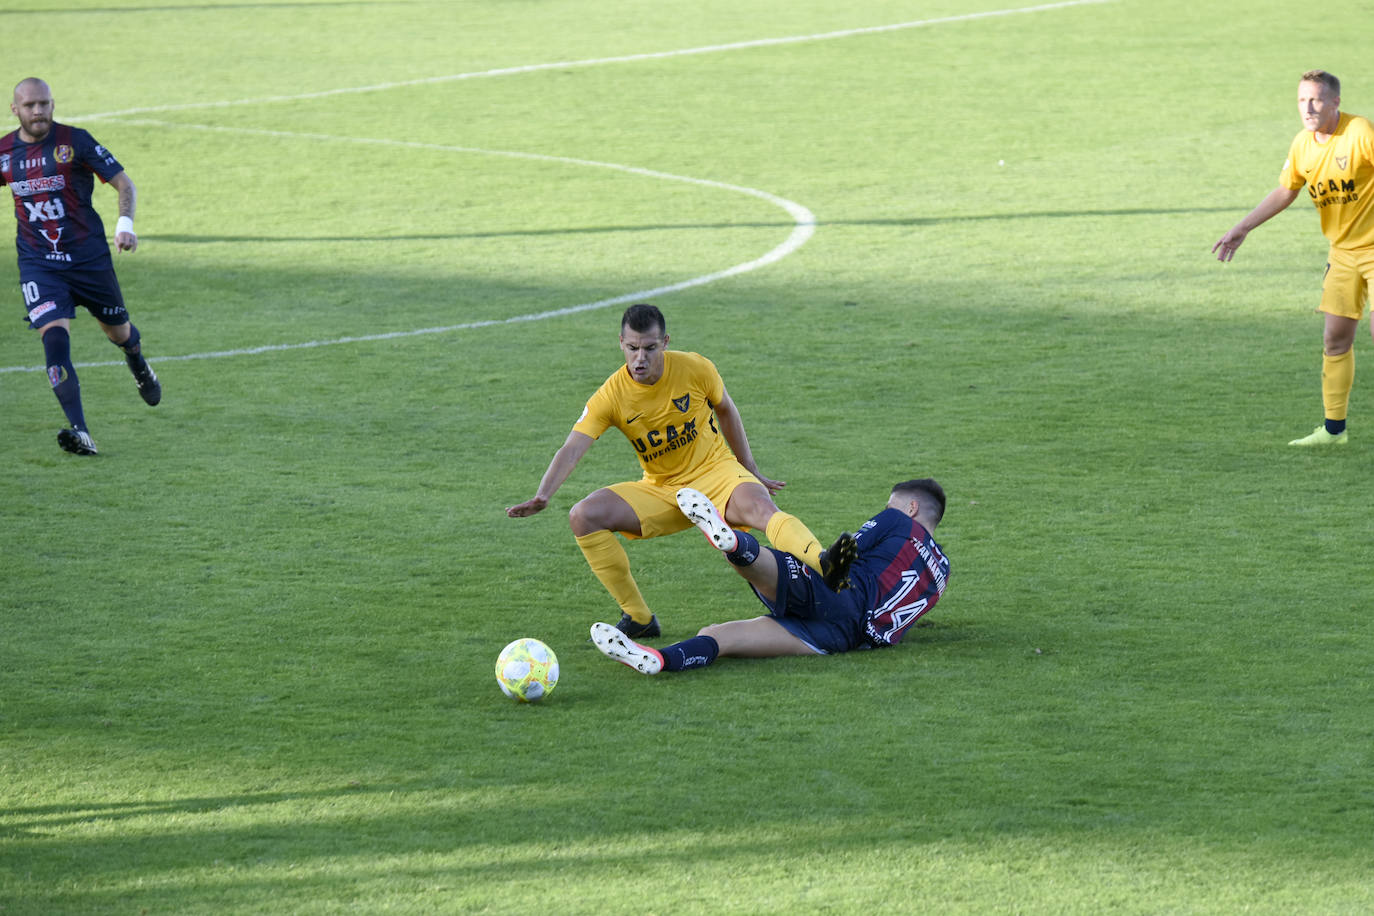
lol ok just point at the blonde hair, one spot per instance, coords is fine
(1326, 79)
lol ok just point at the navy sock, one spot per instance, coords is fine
(130, 346)
(57, 349)
(746, 549)
(1335, 427)
(133, 352)
(697, 652)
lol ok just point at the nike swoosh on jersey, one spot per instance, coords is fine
(632, 419)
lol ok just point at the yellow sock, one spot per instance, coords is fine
(1338, 377)
(611, 564)
(787, 533)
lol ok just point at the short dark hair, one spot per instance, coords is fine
(642, 317)
(1326, 79)
(928, 491)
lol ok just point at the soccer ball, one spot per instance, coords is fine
(527, 670)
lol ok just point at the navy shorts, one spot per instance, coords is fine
(53, 294)
(826, 621)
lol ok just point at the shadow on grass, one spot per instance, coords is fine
(450, 857)
(30, 820)
(184, 239)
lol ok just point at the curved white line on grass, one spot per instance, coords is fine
(596, 61)
(803, 219)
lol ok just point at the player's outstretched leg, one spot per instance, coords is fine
(836, 560)
(76, 441)
(635, 630)
(702, 513)
(614, 644)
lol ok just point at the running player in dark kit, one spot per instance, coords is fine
(64, 260)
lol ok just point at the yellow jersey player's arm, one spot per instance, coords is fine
(564, 460)
(732, 428)
(1273, 204)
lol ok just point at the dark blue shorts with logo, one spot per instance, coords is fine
(53, 294)
(828, 622)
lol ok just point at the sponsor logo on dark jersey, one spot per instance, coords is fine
(44, 185)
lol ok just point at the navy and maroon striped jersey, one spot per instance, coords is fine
(52, 181)
(899, 575)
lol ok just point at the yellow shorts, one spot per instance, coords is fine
(1345, 288)
(656, 504)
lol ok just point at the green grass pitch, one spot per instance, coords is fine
(247, 652)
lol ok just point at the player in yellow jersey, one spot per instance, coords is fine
(1333, 155)
(674, 409)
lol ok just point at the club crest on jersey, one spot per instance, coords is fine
(63, 153)
(1342, 162)
(683, 403)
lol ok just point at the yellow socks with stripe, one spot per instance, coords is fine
(611, 564)
(788, 534)
(1338, 377)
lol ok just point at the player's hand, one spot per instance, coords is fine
(773, 486)
(126, 241)
(1228, 244)
(527, 508)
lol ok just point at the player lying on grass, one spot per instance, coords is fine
(896, 574)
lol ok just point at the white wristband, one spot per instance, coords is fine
(124, 224)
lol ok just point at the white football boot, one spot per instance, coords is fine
(614, 644)
(703, 514)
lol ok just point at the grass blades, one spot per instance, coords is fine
(247, 651)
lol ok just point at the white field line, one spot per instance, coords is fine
(804, 226)
(805, 223)
(595, 61)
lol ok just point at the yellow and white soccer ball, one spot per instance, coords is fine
(527, 670)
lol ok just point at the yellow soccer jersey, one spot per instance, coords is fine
(1339, 175)
(671, 423)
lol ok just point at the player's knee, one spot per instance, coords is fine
(125, 336)
(752, 511)
(583, 519)
(119, 334)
